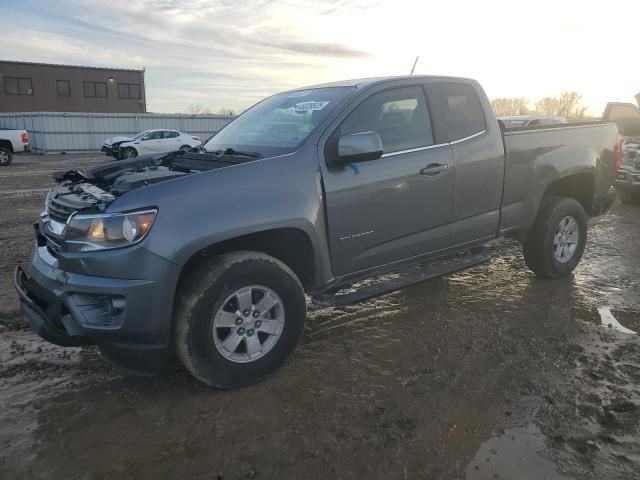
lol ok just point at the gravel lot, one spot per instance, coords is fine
(485, 374)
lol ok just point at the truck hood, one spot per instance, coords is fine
(93, 190)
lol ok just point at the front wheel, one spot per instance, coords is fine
(557, 240)
(129, 152)
(5, 157)
(238, 318)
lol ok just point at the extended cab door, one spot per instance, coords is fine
(398, 206)
(478, 159)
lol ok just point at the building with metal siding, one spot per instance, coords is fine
(42, 87)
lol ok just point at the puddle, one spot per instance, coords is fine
(608, 320)
(513, 454)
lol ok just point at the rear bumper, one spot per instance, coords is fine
(72, 309)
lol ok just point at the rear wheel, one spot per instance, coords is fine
(238, 318)
(185, 148)
(557, 240)
(5, 157)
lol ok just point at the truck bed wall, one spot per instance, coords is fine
(536, 157)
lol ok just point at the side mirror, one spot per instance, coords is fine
(359, 147)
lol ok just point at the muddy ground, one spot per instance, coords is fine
(485, 374)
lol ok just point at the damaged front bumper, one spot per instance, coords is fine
(71, 309)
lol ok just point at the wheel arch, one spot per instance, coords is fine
(292, 246)
(579, 186)
(6, 144)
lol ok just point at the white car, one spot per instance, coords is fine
(149, 141)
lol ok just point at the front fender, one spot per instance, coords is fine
(203, 209)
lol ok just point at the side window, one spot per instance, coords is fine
(400, 116)
(153, 136)
(463, 113)
(170, 134)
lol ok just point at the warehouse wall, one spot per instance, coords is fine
(80, 132)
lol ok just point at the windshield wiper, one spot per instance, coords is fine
(231, 151)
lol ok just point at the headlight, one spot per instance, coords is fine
(84, 233)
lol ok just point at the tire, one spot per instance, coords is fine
(628, 197)
(210, 292)
(544, 251)
(5, 157)
(129, 152)
(185, 148)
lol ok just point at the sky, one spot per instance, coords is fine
(232, 53)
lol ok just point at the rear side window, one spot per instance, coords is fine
(170, 134)
(463, 113)
(400, 116)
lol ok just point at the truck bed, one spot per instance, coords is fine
(541, 155)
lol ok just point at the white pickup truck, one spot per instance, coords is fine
(12, 141)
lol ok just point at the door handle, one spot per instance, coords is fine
(434, 169)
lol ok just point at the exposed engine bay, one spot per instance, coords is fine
(92, 190)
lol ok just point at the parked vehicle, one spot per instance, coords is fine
(627, 117)
(210, 254)
(516, 121)
(12, 141)
(149, 141)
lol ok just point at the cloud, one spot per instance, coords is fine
(230, 53)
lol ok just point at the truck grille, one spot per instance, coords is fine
(59, 209)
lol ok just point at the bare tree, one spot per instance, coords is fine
(197, 109)
(548, 106)
(568, 104)
(571, 105)
(226, 111)
(510, 106)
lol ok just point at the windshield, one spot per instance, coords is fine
(141, 134)
(279, 124)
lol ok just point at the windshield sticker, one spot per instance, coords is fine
(310, 106)
(301, 93)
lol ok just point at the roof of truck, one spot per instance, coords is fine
(366, 82)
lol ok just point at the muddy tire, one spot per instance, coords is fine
(557, 240)
(238, 317)
(5, 157)
(628, 197)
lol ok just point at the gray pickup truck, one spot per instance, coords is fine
(206, 256)
(627, 117)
